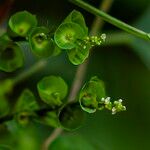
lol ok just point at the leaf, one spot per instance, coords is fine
(52, 90)
(71, 116)
(76, 17)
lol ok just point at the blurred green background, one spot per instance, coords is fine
(125, 69)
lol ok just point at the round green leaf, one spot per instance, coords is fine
(71, 116)
(11, 57)
(52, 90)
(22, 22)
(41, 44)
(67, 34)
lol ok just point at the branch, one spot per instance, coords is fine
(112, 20)
(79, 76)
(32, 70)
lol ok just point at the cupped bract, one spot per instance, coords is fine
(41, 44)
(11, 57)
(22, 22)
(76, 17)
(78, 54)
(52, 90)
(91, 94)
(67, 34)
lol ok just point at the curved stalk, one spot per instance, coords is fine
(112, 20)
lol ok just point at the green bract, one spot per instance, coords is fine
(76, 17)
(91, 93)
(49, 118)
(25, 107)
(6, 86)
(67, 35)
(11, 57)
(78, 55)
(71, 116)
(52, 90)
(26, 102)
(22, 22)
(40, 43)
(4, 106)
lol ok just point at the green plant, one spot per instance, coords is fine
(73, 38)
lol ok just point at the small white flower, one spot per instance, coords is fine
(84, 47)
(107, 100)
(124, 107)
(103, 36)
(113, 110)
(120, 100)
(87, 38)
(103, 99)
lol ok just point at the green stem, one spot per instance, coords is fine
(118, 38)
(112, 20)
(35, 68)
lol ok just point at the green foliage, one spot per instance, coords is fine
(21, 23)
(52, 90)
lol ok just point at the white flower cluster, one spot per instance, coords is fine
(91, 41)
(115, 107)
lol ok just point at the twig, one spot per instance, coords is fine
(98, 22)
(51, 138)
(79, 76)
(112, 20)
(32, 70)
